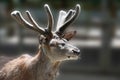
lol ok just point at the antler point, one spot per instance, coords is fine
(15, 12)
(63, 12)
(46, 5)
(78, 6)
(27, 11)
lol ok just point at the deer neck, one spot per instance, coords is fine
(45, 68)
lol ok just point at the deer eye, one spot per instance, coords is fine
(63, 44)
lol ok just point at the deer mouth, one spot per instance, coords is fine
(73, 57)
(69, 56)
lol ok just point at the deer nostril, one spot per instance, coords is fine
(76, 52)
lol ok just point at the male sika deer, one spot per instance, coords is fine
(53, 48)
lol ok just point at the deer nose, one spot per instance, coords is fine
(77, 52)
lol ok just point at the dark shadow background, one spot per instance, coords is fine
(98, 36)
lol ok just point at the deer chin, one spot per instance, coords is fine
(73, 57)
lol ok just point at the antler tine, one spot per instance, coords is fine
(63, 16)
(69, 21)
(50, 18)
(61, 19)
(70, 13)
(18, 17)
(41, 30)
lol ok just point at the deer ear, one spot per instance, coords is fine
(69, 35)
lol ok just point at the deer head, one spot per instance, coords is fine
(54, 43)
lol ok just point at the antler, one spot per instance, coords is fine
(64, 20)
(50, 18)
(67, 19)
(33, 25)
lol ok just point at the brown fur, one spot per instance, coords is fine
(26, 67)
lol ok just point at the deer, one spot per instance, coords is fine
(52, 51)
